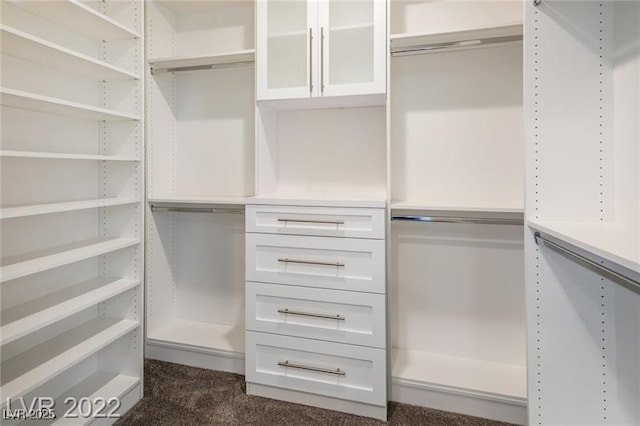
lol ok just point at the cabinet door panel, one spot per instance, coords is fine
(353, 47)
(286, 42)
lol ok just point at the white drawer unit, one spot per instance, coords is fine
(316, 304)
(332, 315)
(338, 263)
(325, 221)
(354, 373)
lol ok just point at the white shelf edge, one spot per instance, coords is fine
(288, 34)
(98, 385)
(498, 392)
(32, 101)
(52, 54)
(484, 212)
(72, 14)
(327, 200)
(198, 202)
(41, 209)
(69, 349)
(197, 335)
(409, 39)
(65, 256)
(64, 156)
(247, 55)
(351, 27)
(592, 239)
(78, 302)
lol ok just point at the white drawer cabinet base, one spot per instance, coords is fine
(349, 372)
(357, 408)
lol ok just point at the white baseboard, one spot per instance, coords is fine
(193, 356)
(462, 401)
(357, 408)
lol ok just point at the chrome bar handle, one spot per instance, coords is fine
(337, 371)
(310, 314)
(310, 60)
(330, 222)
(310, 262)
(322, 59)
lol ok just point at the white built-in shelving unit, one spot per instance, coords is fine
(72, 259)
(201, 113)
(582, 103)
(456, 165)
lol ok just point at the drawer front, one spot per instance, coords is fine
(354, 373)
(337, 263)
(318, 221)
(333, 315)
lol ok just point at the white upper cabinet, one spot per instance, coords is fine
(320, 48)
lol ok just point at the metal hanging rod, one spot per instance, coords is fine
(240, 64)
(155, 209)
(462, 44)
(632, 284)
(449, 219)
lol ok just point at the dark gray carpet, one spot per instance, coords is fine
(179, 395)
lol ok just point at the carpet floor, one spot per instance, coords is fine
(179, 395)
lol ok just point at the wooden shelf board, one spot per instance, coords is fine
(495, 378)
(31, 263)
(195, 61)
(617, 244)
(78, 17)
(64, 156)
(26, 318)
(412, 39)
(34, 49)
(98, 385)
(28, 370)
(198, 334)
(35, 102)
(40, 209)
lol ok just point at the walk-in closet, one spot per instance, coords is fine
(320, 212)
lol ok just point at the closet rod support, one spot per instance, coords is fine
(461, 44)
(155, 209)
(631, 283)
(449, 219)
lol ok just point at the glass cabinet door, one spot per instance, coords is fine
(286, 43)
(353, 47)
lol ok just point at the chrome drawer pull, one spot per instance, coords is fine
(337, 371)
(330, 222)
(309, 314)
(310, 262)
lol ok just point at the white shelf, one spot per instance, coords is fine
(34, 315)
(32, 263)
(40, 209)
(167, 64)
(412, 39)
(64, 156)
(327, 200)
(423, 209)
(499, 379)
(288, 34)
(32, 101)
(616, 244)
(222, 202)
(26, 46)
(76, 16)
(98, 385)
(26, 371)
(198, 334)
